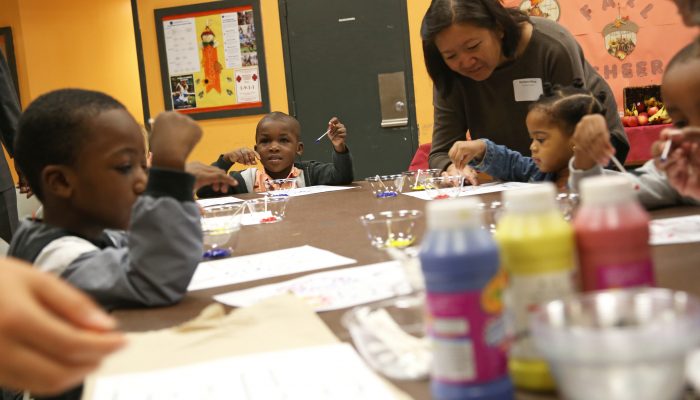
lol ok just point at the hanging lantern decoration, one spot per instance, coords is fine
(620, 37)
(541, 8)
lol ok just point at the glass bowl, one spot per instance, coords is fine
(268, 209)
(280, 187)
(415, 180)
(386, 186)
(391, 228)
(220, 227)
(444, 187)
(568, 203)
(390, 336)
(492, 213)
(623, 344)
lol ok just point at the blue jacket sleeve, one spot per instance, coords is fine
(505, 164)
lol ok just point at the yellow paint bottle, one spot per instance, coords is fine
(537, 252)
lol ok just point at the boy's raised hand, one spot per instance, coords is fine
(243, 156)
(591, 141)
(206, 175)
(173, 138)
(337, 134)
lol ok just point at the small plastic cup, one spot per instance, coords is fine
(280, 187)
(268, 209)
(391, 228)
(620, 344)
(444, 187)
(386, 186)
(390, 336)
(220, 227)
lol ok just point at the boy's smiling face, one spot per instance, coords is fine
(681, 93)
(277, 142)
(109, 172)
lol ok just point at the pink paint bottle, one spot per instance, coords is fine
(612, 235)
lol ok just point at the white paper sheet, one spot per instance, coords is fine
(181, 46)
(232, 41)
(310, 373)
(309, 190)
(217, 201)
(332, 290)
(675, 230)
(264, 265)
(476, 190)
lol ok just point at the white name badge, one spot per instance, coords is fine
(528, 89)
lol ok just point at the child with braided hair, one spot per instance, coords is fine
(551, 122)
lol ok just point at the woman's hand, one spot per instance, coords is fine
(468, 172)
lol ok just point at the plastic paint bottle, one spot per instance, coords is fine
(537, 252)
(612, 235)
(463, 283)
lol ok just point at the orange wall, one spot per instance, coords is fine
(81, 43)
(223, 134)
(422, 84)
(90, 44)
(97, 51)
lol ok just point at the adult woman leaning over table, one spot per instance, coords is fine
(488, 63)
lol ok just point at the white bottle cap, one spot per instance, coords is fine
(454, 213)
(535, 199)
(607, 190)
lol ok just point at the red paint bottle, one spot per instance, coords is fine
(612, 235)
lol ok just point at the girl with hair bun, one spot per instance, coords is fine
(551, 122)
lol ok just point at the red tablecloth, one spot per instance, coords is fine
(641, 138)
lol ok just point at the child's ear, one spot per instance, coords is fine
(57, 180)
(300, 148)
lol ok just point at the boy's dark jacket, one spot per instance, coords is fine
(338, 172)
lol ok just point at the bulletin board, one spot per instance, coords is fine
(629, 42)
(212, 59)
(8, 50)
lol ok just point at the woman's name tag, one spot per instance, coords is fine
(528, 89)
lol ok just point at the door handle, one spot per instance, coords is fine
(392, 99)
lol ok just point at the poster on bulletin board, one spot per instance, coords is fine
(212, 59)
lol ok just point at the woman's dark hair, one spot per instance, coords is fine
(489, 14)
(566, 105)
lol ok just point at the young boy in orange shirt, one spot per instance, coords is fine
(277, 145)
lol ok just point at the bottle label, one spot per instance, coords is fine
(524, 293)
(468, 335)
(624, 275)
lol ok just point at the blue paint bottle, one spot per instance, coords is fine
(464, 285)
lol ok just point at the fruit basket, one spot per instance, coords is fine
(644, 106)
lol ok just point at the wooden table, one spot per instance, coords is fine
(330, 221)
